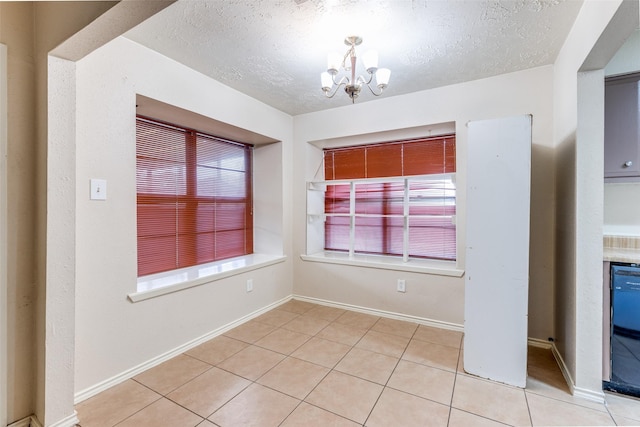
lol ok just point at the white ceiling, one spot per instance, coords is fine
(275, 50)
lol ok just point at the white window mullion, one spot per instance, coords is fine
(405, 239)
(352, 219)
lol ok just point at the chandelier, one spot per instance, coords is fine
(352, 84)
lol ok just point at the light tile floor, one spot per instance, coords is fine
(308, 365)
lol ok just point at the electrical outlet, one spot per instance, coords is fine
(249, 285)
(401, 285)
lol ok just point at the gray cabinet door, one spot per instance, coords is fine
(621, 128)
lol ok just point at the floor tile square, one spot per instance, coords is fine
(342, 333)
(395, 327)
(171, 374)
(395, 408)
(622, 421)
(365, 364)
(357, 320)
(294, 377)
(296, 306)
(423, 381)
(307, 325)
(348, 396)
(431, 354)
(438, 336)
(391, 345)
(307, 415)
(623, 406)
(550, 412)
(115, 404)
(491, 400)
(459, 418)
(250, 332)
(321, 352)
(325, 312)
(252, 362)
(283, 341)
(276, 318)
(257, 406)
(217, 349)
(208, 392)
(163, 413)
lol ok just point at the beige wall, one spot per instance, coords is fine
(16, 31)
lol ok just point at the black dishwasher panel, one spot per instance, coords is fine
(625, 328)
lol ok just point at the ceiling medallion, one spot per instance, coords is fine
(352, 84)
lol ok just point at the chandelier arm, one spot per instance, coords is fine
(372, 91)
(344, 80)
(337, 85)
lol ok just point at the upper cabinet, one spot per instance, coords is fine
(622, 128)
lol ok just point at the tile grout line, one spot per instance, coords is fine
(526, 400)
(166, 396)
(384, 387)
(162, 396)
(455, 379)
(303, 400)
(332, 369)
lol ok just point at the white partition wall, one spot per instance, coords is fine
(497, 249)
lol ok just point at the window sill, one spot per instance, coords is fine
(172, 281)
(441, 268)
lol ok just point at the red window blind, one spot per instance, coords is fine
(379, 220)
(402, 158)
(193, 197)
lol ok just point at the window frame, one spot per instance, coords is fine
(316, 211)
(313, 245)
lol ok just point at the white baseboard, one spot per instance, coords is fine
(563, 368)
(32, 421)
(537, 342)
(130, 373)
(584, 393)
(592, 395)
(25, 422)
(69, 421)
(383, 313)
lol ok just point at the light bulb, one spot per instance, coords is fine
(382, 77)
(333, 63)
(327, 81)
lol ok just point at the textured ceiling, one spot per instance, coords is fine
(275, 50)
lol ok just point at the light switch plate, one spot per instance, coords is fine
(98, 189)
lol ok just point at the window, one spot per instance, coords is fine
(393, 199)
(194, 197)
